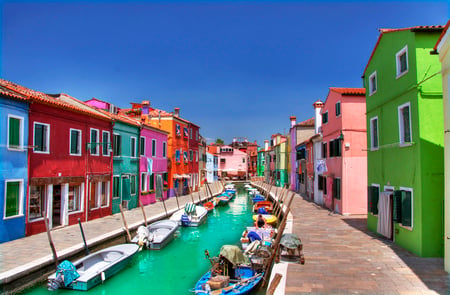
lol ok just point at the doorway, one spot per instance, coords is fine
(56, 205)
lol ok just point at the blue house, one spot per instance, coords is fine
(13, 164)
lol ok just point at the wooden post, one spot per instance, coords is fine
(176, 197)
(209, 189)
(281, 206)
(86, 249)
(143, 212)
(277, 240)
(125, 223)
(278, 202)
(199, 197)
(273, 286)
(50, 241)
(268, 192)
(190, 193)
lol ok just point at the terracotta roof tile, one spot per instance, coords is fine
(349, 91)
(306, 123)
(12, 94)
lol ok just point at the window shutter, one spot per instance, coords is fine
(397, 206)
(369, 199)
(406, 208)
(38, 138)
(14, 132)
(12, 199)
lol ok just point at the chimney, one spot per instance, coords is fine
(266, 144)
(176, 112)
(318, 105)
(292, 118)
(145, 107)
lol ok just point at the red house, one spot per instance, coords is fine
(194, 157)
(70, 161)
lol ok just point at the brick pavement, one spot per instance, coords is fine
(343, 257)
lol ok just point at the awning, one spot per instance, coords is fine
(185, 176)
(177, 176)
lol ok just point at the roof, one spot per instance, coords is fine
(306, 123)
(412, 29)
(442, 36)
(349, 91)
(62, 101)
(12, 94)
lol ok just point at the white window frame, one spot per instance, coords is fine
(401, 127)
(196, 156)
(402, 51)
(402, 188)
(376, 185)
(371, 90)
(133, 150)
(20, 199)
(389, 188)
(154, 147)
(79, 142)
(97, 142)
(142, 153)
(20, 148)
(120, 141)
(109, 143)
(340, 110)
(108, 193)
(164, 154)
(372, 147)
(47, 139)
(145, 182)
(81, 185)
(119, 179)
(135, 184)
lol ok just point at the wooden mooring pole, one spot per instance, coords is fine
(86, 249)
(50, 240)
(143, 212)
(125, 224)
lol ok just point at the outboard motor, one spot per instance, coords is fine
(66, 273)
(185, 220)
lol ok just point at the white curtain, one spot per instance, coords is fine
(384, 215)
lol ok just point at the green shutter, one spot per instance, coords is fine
(14, 132)
(116, 186)
(12, 199)
(38, 138)
(133, 184)
(406, 208)
(373, 196)
(369, 199)
(74, 142)
(152, 182)
(397, 206)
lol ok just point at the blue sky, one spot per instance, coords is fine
(236, 69)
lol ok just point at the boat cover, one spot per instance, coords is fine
(290, 241)
(190, 208)
(69, 271)
(234, 254)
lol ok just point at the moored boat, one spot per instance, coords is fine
(191, 215)
(209, 205)
(266, 205)
(92, 269)
(270, 219)
(156, 235)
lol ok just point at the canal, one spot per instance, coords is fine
(176, 268)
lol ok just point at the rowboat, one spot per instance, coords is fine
(156, 235)
(267, 205)
(270, 219)
(258, 198)
(191, 215)
(209, 205)
(93, 269)
(230, 275)
(252, 233)
(223, 199)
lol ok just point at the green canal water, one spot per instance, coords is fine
(176, 268)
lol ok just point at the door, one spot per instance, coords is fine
(56, 206)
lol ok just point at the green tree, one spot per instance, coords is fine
(219, 141)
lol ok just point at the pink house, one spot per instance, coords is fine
(153, 161)
(344, 183)
(232, 163)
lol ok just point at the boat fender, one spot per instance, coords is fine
(102, 275)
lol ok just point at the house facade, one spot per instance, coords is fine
(344, 138)
(194, 157)
(280, 159)
(319, 152)
(14, 163)
(405, 138)
(232, 163)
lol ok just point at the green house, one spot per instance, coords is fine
(125, 164)
(261, 162)
(405, 140)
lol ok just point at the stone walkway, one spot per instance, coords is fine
(343, 257)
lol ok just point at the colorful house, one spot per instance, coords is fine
(261, 161)
(13, 164)
(405, 138)
(194, 160)
(211, 167)
(152, 161)
(309, 170)
(232, 163)
(319, 152)
(344, 138)
(442, 48)
(280, 159)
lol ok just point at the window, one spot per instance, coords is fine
(152, 183)
(185, 157)
(325, 117)
(94, 142)
(243, 160)
(104, 193)
(373, 195)
(133, 184)
(337, 188)
(143, 182)
(93, 197)
(99, 194)
(15, 133)
(13, 198)
(164, 149)
(401, 61)
(190, 133)
(41, 138)
(222, 160)
(185, 132)
(336, 147)
(117, 141)
(75, 142)
(374, 133)
(165, 179)
(373, 83)
(38, 201)
(324, 150)
(337, 108)
(116, 187)
(153, 147)
(191, 155)
(196, 156)
(177, 156)
(74, 196)
(133, 147)
(105, 143)
(177, 130)
(142, 146)
(404, 123)
(322, 184)
(403, 207)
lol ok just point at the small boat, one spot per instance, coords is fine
(209, 205)
(266, 205)
(252, 233)
(258, 198)
(191, 215)
(156, 235)
(231, 192)
(223, 199)
(270, 219)
(232, 274)
(93, 269)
